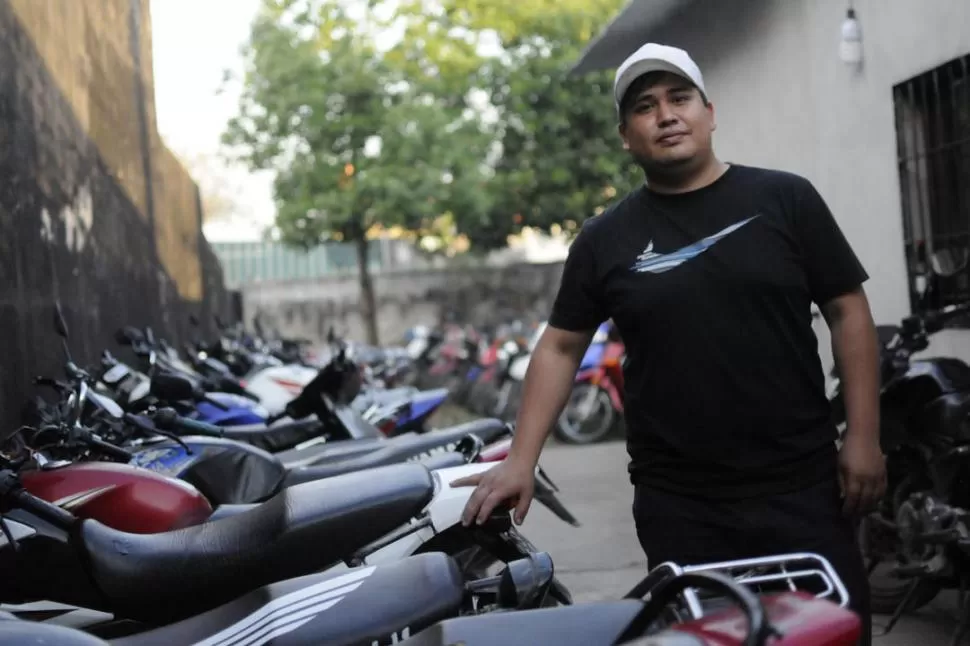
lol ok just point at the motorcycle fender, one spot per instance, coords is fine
(448, 503)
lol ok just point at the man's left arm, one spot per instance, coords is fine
(855, 348)
(835, 277)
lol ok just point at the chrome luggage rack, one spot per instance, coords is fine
(755, 573)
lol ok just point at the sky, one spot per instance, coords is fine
(193, 41)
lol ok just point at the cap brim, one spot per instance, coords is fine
(640, 68)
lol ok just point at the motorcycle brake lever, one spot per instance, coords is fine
(545, 476)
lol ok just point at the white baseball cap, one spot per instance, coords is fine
(655, 58)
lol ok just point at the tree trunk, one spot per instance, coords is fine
(368, 302)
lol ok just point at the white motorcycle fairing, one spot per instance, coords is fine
(444, 512)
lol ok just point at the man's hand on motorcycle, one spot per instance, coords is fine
(508, 482)
(862, 474)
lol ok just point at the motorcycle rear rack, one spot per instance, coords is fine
(753, 573)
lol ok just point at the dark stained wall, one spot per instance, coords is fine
(94, 209)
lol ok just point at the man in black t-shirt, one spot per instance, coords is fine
(709, 271)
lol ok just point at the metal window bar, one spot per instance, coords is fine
(933, 143)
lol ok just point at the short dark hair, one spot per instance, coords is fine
(641, 83)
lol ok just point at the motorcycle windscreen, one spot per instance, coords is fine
(356, 426)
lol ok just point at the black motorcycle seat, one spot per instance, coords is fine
(19, 631)
(358, 606)
(171, 575)
(275, 438)
(580, 625)
(489, 429)
(303, 475)
(411, 446)
(332, 451)
(225, 511)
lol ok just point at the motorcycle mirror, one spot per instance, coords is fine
(194, 320)
(60, 325)
(524, 582)
(172, 387)
(949, 262)
(220, 324)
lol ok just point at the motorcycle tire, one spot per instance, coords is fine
(885, 594)
(568, 432)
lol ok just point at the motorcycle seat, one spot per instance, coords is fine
(489, 429)
(275, 438)
(303, 475)
(171, 575)
(400, 448)
(225, 511)
(331, 451)
(327, 609)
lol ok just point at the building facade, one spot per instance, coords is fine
(887, 143)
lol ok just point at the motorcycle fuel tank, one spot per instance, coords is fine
(121, 496)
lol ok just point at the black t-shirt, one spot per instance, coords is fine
(711, 291)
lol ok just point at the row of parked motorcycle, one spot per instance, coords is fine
(162, 499)
(485, 372)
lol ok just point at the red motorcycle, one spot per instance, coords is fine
(595, 406)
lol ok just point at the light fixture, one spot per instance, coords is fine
(850, 49)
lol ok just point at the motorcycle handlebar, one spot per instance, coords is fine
(106, 447)
(939, 317)
(17, 497)
(917, 326)
(169, 420)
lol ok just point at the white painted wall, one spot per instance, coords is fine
(784, 99)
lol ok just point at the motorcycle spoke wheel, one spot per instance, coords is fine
(594, 428)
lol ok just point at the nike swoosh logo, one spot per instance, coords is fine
(658, 263)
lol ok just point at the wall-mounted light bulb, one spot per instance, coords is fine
(850, 49)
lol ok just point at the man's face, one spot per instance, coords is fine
(666, 123)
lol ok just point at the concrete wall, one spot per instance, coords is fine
(482, 296)
(784, 99)
(94, 210)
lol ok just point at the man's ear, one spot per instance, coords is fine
(622, 130)
(710, 109)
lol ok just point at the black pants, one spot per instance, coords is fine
(688, 530)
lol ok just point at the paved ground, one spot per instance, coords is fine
(602, 559)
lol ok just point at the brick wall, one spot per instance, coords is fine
(94, 210)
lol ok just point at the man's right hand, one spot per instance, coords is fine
(511, 480)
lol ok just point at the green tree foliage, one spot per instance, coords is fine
(356, 141)
(561, 158)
